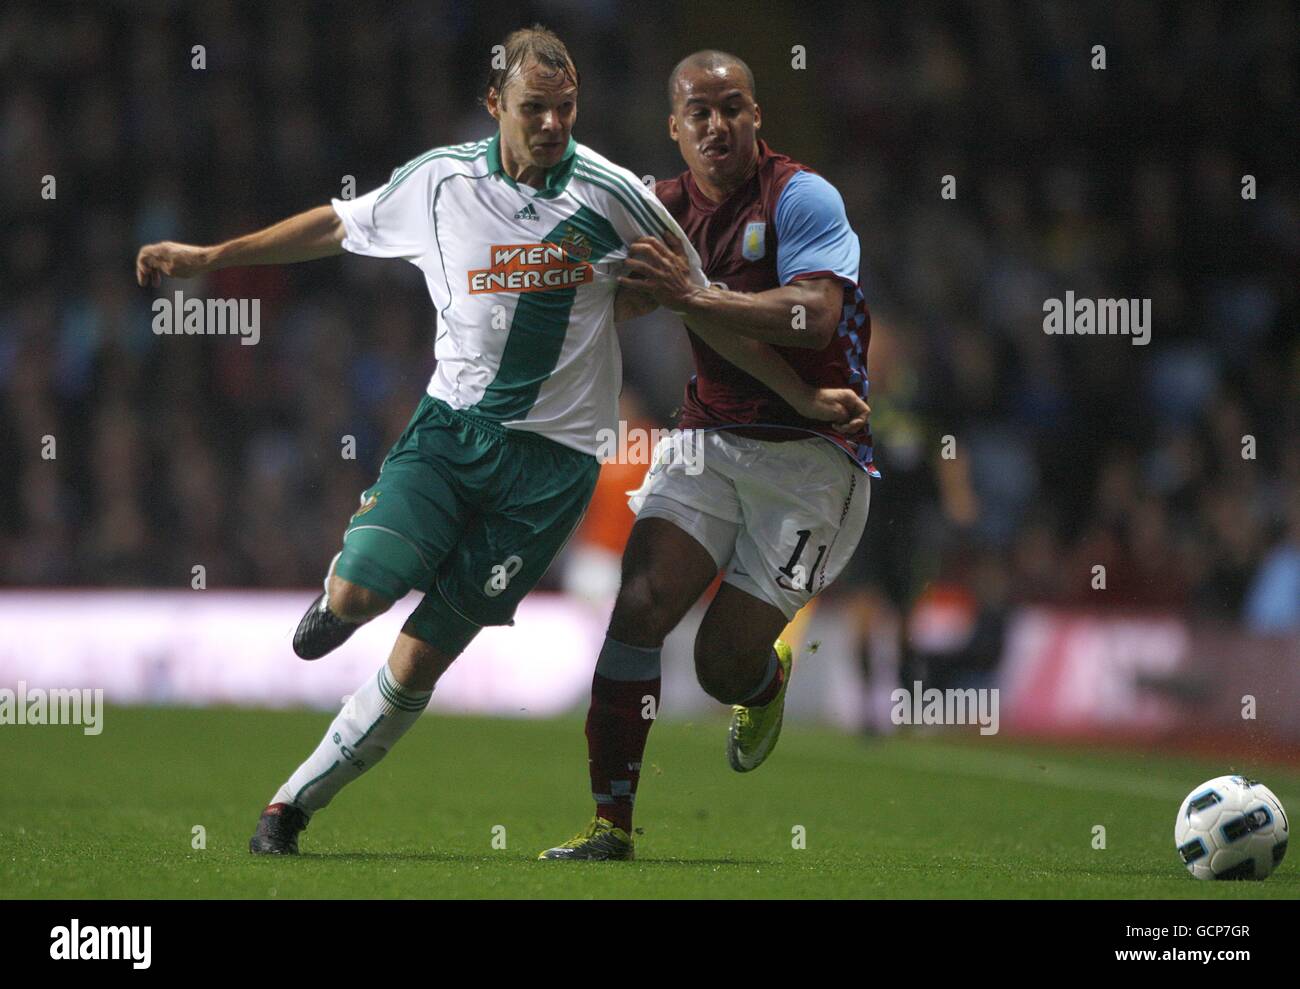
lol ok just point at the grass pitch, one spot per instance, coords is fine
(112, 816)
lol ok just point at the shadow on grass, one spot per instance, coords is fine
(696, 862)
(463, 859)
(1172, 876)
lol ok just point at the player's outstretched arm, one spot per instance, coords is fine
(317, 233)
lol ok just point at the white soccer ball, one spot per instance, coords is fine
(1231, 828)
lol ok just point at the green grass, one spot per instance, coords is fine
(111, 816)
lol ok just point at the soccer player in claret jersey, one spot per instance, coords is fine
(497, 465)
(782, 499)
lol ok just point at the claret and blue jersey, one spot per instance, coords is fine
(785, 224)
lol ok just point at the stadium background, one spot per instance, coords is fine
(1072, 452)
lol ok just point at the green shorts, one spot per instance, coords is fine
(469, 512)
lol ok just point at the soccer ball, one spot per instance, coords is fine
(1231, 828)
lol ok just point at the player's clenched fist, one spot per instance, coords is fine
(841, 406)
(171, 259)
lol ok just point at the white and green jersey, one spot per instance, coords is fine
(523, 279)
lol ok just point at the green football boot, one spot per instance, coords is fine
(601, 842)
(754, 730)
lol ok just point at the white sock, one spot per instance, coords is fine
(378, 714)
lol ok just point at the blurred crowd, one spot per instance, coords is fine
(1015, 463)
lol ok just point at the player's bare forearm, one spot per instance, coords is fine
(316, 233)
(841, 406)
(802, 314)
(757, 360)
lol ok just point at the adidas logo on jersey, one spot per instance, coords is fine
(527, 213)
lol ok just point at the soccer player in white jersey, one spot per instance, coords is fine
(521, 238)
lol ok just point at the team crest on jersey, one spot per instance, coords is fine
(754, 244)
(575, 244)
(530, 268)
(367, 504)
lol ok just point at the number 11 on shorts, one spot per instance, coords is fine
(799, 577)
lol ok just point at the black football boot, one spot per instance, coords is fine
(277, 830)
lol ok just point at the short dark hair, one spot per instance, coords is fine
(708, 58)
(536, 42)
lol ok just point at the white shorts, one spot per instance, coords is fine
(782, 519)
